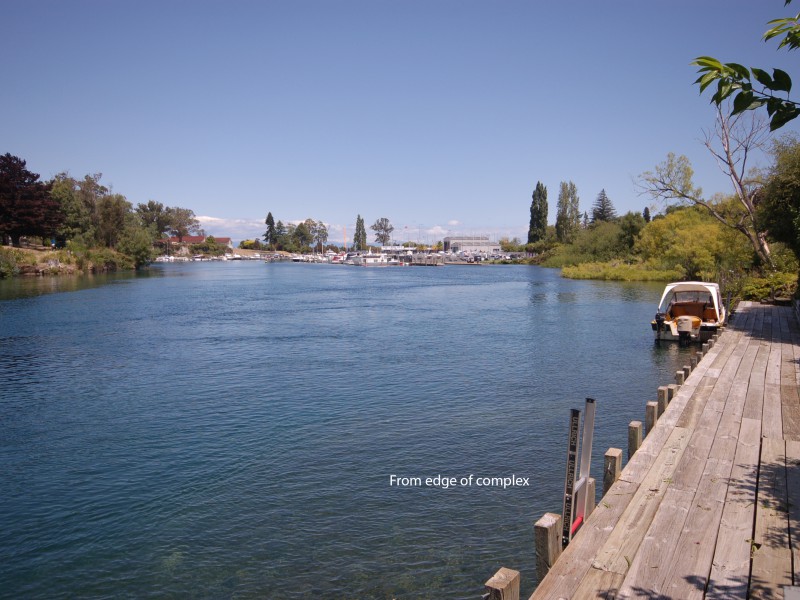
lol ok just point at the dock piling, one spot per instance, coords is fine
(547, 541)
(672, 389)
(612, 468)
(634, 437)
(663, 400)
(504, 585)
(650, 417)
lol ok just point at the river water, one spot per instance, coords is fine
(230, 430)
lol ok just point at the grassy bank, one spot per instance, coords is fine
(44, 261)
(616, 271)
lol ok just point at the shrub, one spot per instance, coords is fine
(9, 262)
(618, 271)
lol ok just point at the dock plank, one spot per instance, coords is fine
(772, 557)
(793, 491)
(731, 564)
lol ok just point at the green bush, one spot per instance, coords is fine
(619, 271)
(9, 262)
(775, 285)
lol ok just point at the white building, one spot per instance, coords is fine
(471, 244)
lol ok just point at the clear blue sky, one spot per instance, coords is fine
(440, 115)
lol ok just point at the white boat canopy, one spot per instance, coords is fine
(699, 287)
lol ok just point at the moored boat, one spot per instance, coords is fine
(689, 311)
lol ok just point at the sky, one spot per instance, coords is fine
(440, 115)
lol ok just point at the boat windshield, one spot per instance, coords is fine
(694, 296)
(688, 297)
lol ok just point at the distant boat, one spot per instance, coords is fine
(370, 259)
(689, 311)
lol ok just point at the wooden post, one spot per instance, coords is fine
(687, 370)
(679, 378)
(634, 437)
(672, 389)
(504, 585)
(663, 400)
(591, 494)
(650, 417)
(693, 361)
(547, 540)
(612, 468)
(705, 348)
(699, 356)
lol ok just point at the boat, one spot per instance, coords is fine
(689, 311)
(370, 259)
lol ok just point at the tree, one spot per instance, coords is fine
(183, 222)
(270, 235)
(112, 211)
(646, 214)
(383, 231)
(568, 214)
(155, 216)
(538, 224)
(689, 239)
(26, 207)
(302, 234)
(631, 224)
(603, 209)
(78, 215)
(779, 200)
(360, 235)
(731, 143)
(137, 242)
(733, 78)
(320, 235)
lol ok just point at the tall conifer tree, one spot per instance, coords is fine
(269, 235)
(538, 225)
(360, 235)
(568, 215)
(603, 209)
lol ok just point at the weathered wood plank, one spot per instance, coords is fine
(772, 419)
(662, 535)
(730, 570)
(623, 542)
(565, 576)
(754, 404)
(793, 488)
(598, 584)
(688, 564)
(772, 558)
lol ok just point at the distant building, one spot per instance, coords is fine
(199, 239)
(471, 244)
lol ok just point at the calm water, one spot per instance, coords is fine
(228, 430)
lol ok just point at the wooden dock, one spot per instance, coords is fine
(709, 506)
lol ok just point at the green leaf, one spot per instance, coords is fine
(707, 80)
(707, 62)
(762, 77)
(774, 105)
(783, 116)
(724, 89)
(741, 71)
(742, 102)
(782, 81)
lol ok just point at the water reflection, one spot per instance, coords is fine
(28, 287)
